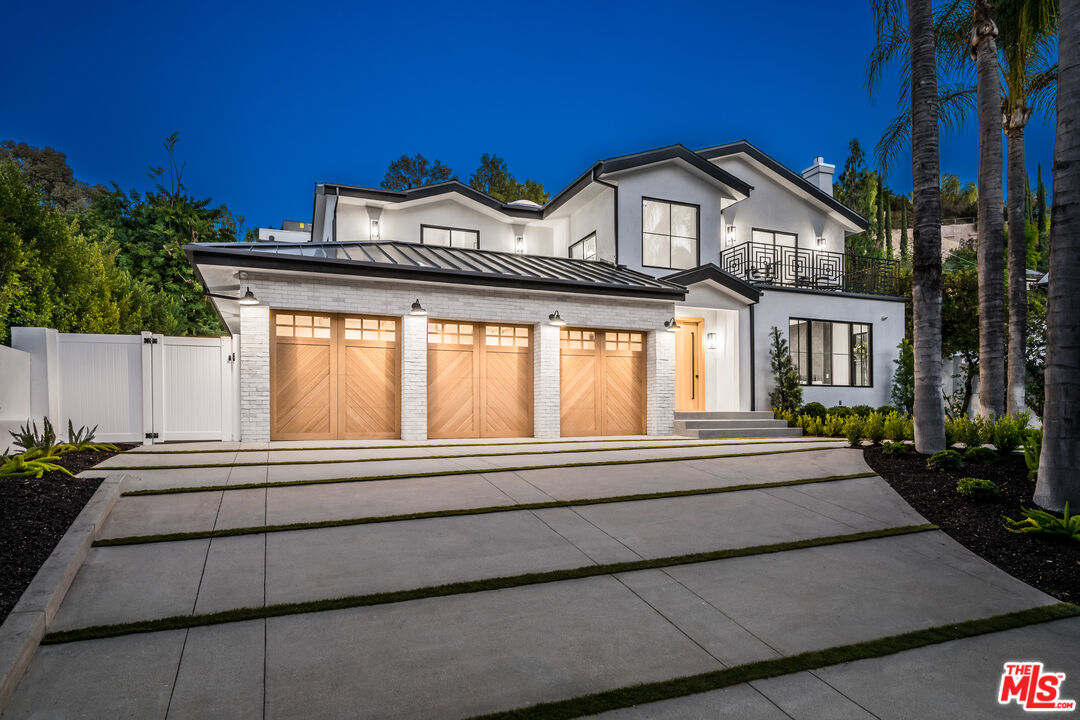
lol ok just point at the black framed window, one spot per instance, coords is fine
(669, 234)
(585, 248)
(449, 237)
(826, 352)
(776, 238)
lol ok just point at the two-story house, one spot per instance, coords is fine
(646, 287)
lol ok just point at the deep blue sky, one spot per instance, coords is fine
(270, 98)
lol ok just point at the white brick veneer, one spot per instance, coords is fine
(450, 302)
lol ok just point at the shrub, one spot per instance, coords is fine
(813, 426)
(885, 410)
(815, 409)
(1032, 451)
(788, 415)
(1008, 432)
(787, 389)
(903, 385)
(945, 460)
(1041, 522)
(909, 429)
(894, 448)
(862, 410)
(853, 430)
(976, 488)
(894, 427)
(833, 425)
(981, 455)
(874, 429)
(964, 430)
(840, 411)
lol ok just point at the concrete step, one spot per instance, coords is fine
(726, 415)
(721, 433)
(720, 424)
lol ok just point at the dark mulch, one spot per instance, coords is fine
(1051, 565)
(34, 514)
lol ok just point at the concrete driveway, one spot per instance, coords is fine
(466, 653)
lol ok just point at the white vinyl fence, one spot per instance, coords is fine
(136, 388)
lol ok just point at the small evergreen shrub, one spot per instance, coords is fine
(840, 411)
(1008, 432)
(1043, 523)
(894, 448)
(815, 409)
(853, 430)
(945, 460)
(981, 455)
(833, 425)
(976, 488)
(886, 410)
(894, 427)
(964, 430)
(903, 384)
(787, 389)
(1032, 451)
(874, 429)
(862, 410)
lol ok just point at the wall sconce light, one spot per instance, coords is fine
(884, 318)
(247, 298)
(374, 231)
(730, 235)
(710, 341)
(417, 309)
(671, 325)
(556, 319)
(519, 244)
(821, 242)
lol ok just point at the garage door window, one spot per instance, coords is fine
(622, 341)
(577, 339)
(302, 326)
(450, 334)
(506, 336)
(370, 329)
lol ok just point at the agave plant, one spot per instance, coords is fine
(1042, 522)
(82, 440)
(19, 467)
(27, 437)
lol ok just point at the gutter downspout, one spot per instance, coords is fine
(596, 178)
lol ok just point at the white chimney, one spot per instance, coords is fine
(820, 174)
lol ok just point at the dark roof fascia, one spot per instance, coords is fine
(831, 293)
(217, 255)
(673, 152)
(206, 288)
(452, 186)
(711, 272)
(742, 146)
(568, 192)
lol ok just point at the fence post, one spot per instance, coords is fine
(157, 361)
(147, 389)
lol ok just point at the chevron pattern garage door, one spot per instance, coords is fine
(333, 377)
(479, 380)
(602, 378)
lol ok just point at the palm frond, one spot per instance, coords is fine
(955, 102)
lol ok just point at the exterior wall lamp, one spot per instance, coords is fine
(821, 242)
(671, 325)
(247, 298)
(374, 233)
(556, 319)
(730, 235)
(417, 309)
(710, 341)
(519, 244)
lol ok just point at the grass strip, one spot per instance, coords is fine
(633, 695)
(200, 466)
(140, 451)
(457, 512)
(467, 471)
(458, 588)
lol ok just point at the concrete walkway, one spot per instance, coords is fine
(462, 655)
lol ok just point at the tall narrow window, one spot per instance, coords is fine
(585, 248)
(669, 234)
(449, 237)
(831, 353)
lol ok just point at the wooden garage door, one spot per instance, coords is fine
(479, 380)
(602, 377)
(333, 377)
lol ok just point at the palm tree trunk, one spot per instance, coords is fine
(991, 224)
(1017, 183)
(929, 410)
(1059, 467)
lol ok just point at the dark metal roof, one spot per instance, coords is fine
(714, 273)
(431, 263)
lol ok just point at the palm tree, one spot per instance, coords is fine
(1027, 34)
(1059, 467)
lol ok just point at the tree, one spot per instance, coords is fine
(903, 384)
(494, 179)
(1030, 79)
(1042, 220)
(1059, 466)
(412, 172)
(903, 233)
(48, 170)
(787, 390)
(856, 187)
(888, 226)
(959, 330)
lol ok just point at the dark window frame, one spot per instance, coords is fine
(774, 233)
(851, 355)
(451, 229)
(581, 242)
(697, 240)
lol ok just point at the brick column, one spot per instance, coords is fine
(660, 383)
(414, 377)
(254, 373)
(546, 386)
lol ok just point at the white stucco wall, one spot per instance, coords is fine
(598, 215)
(886, 316)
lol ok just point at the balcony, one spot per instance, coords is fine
(762, 264)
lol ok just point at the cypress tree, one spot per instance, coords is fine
(888, 229)
(1042, 219)
(903, 231)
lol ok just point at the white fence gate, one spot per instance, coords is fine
(148, 388)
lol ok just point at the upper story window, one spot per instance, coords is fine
(669, 234)
(449, 237)
(585, 248)
(777, 239)
(831, 353)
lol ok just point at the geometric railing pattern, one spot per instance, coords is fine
(764, 264)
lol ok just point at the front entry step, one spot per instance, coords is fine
(715, 425)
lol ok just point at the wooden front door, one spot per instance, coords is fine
(690, 365)
(480, 380)
(602, 378)
(333, 377)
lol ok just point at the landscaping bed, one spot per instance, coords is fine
(1051, 565)
(34, 514)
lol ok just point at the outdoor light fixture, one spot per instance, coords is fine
(671, 325)
(710, 341)
(248, 298)
(730, 234)
(556, 319)
(374, 230)
(417, 309)
(821, 242)
(519, 244)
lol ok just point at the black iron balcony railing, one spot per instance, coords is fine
(763, 264)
